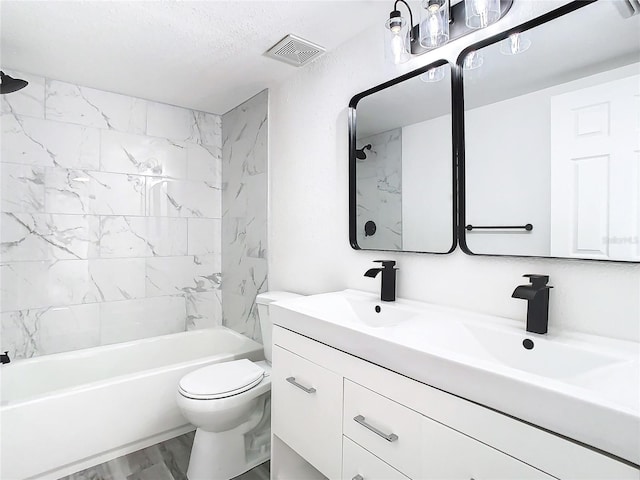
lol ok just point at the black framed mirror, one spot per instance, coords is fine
(402, 194)
(550, 117)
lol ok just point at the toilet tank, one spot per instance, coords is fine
(263, 300)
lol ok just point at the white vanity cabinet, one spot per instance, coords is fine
(306, 400)
(351, 419)
(420, 447)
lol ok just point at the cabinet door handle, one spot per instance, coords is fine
(392, 437)
(292, 381)
(358, 477)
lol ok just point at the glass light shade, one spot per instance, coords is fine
(481, 13)
(433, 74)
(434, 23)
(397, 48)
(473, 60)
(514, 44)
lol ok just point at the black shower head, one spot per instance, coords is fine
(360, 153)
(10, 84)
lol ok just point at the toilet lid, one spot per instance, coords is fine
(221, 380)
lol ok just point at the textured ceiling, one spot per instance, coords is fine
(206, 55)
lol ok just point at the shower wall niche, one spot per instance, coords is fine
(110, 218)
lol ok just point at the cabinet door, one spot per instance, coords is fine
(359, 464)
(307, 410)
(451, 455)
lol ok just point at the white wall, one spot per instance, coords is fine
(427, 200)
(308, 229)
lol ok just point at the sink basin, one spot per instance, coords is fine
(570, 383)
(541, 356)
(375, 313)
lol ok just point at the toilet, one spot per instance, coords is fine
(230, 405)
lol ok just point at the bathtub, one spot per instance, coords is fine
(65, 412)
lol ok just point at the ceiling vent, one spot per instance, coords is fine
(295, 51)
(628, 8)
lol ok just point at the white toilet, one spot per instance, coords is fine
(229, 403)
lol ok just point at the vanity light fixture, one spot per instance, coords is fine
(434, 25)
(398, 35)
(433, 74)
(481, 13)
(440, 22)
(514, 44)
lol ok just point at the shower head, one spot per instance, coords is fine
(360, 153)
(10, 84)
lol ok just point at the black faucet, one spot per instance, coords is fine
(4, 357)
(388, 290)
(537, 294)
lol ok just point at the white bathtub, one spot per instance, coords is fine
(65, 412)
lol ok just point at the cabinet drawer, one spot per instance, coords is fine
(450, 455)
(389, 430)
(306, 410)
(359, 464)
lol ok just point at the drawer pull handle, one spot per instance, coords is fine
(392, 437)
(292, 381)
(358, 477)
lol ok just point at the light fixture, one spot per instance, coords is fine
(434, 23)
(440, 22)
(481, 13)
(473, 60)
(434, 74)
(398, 35)
(514, 44)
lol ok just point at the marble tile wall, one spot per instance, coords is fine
(244, 213)
(379, 192)
(110, 223)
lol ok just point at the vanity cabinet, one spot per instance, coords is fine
(360, 464)
(305, 398)
(351, 419)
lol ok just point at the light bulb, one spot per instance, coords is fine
(481, 13)
(434, 27)
(481, 9)
(397, 49)
(396, 39)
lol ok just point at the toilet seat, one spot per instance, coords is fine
(221, 380)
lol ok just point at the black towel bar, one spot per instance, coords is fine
(528, 227)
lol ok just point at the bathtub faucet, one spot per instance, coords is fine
(4, 357)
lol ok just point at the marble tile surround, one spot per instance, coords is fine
(111, 218)
(244, 213)
(379, 195)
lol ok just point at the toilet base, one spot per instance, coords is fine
(225, 455)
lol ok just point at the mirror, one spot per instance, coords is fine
(401, 194)
(551, 138)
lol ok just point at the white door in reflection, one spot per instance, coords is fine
(595, 171)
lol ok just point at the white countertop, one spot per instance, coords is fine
(581, 386)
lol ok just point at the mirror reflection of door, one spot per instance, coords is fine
(595, 170)
(552, 133)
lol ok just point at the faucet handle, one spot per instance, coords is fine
(386, 263)
(538, 281)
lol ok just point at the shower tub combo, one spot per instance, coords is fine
(65, 412)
